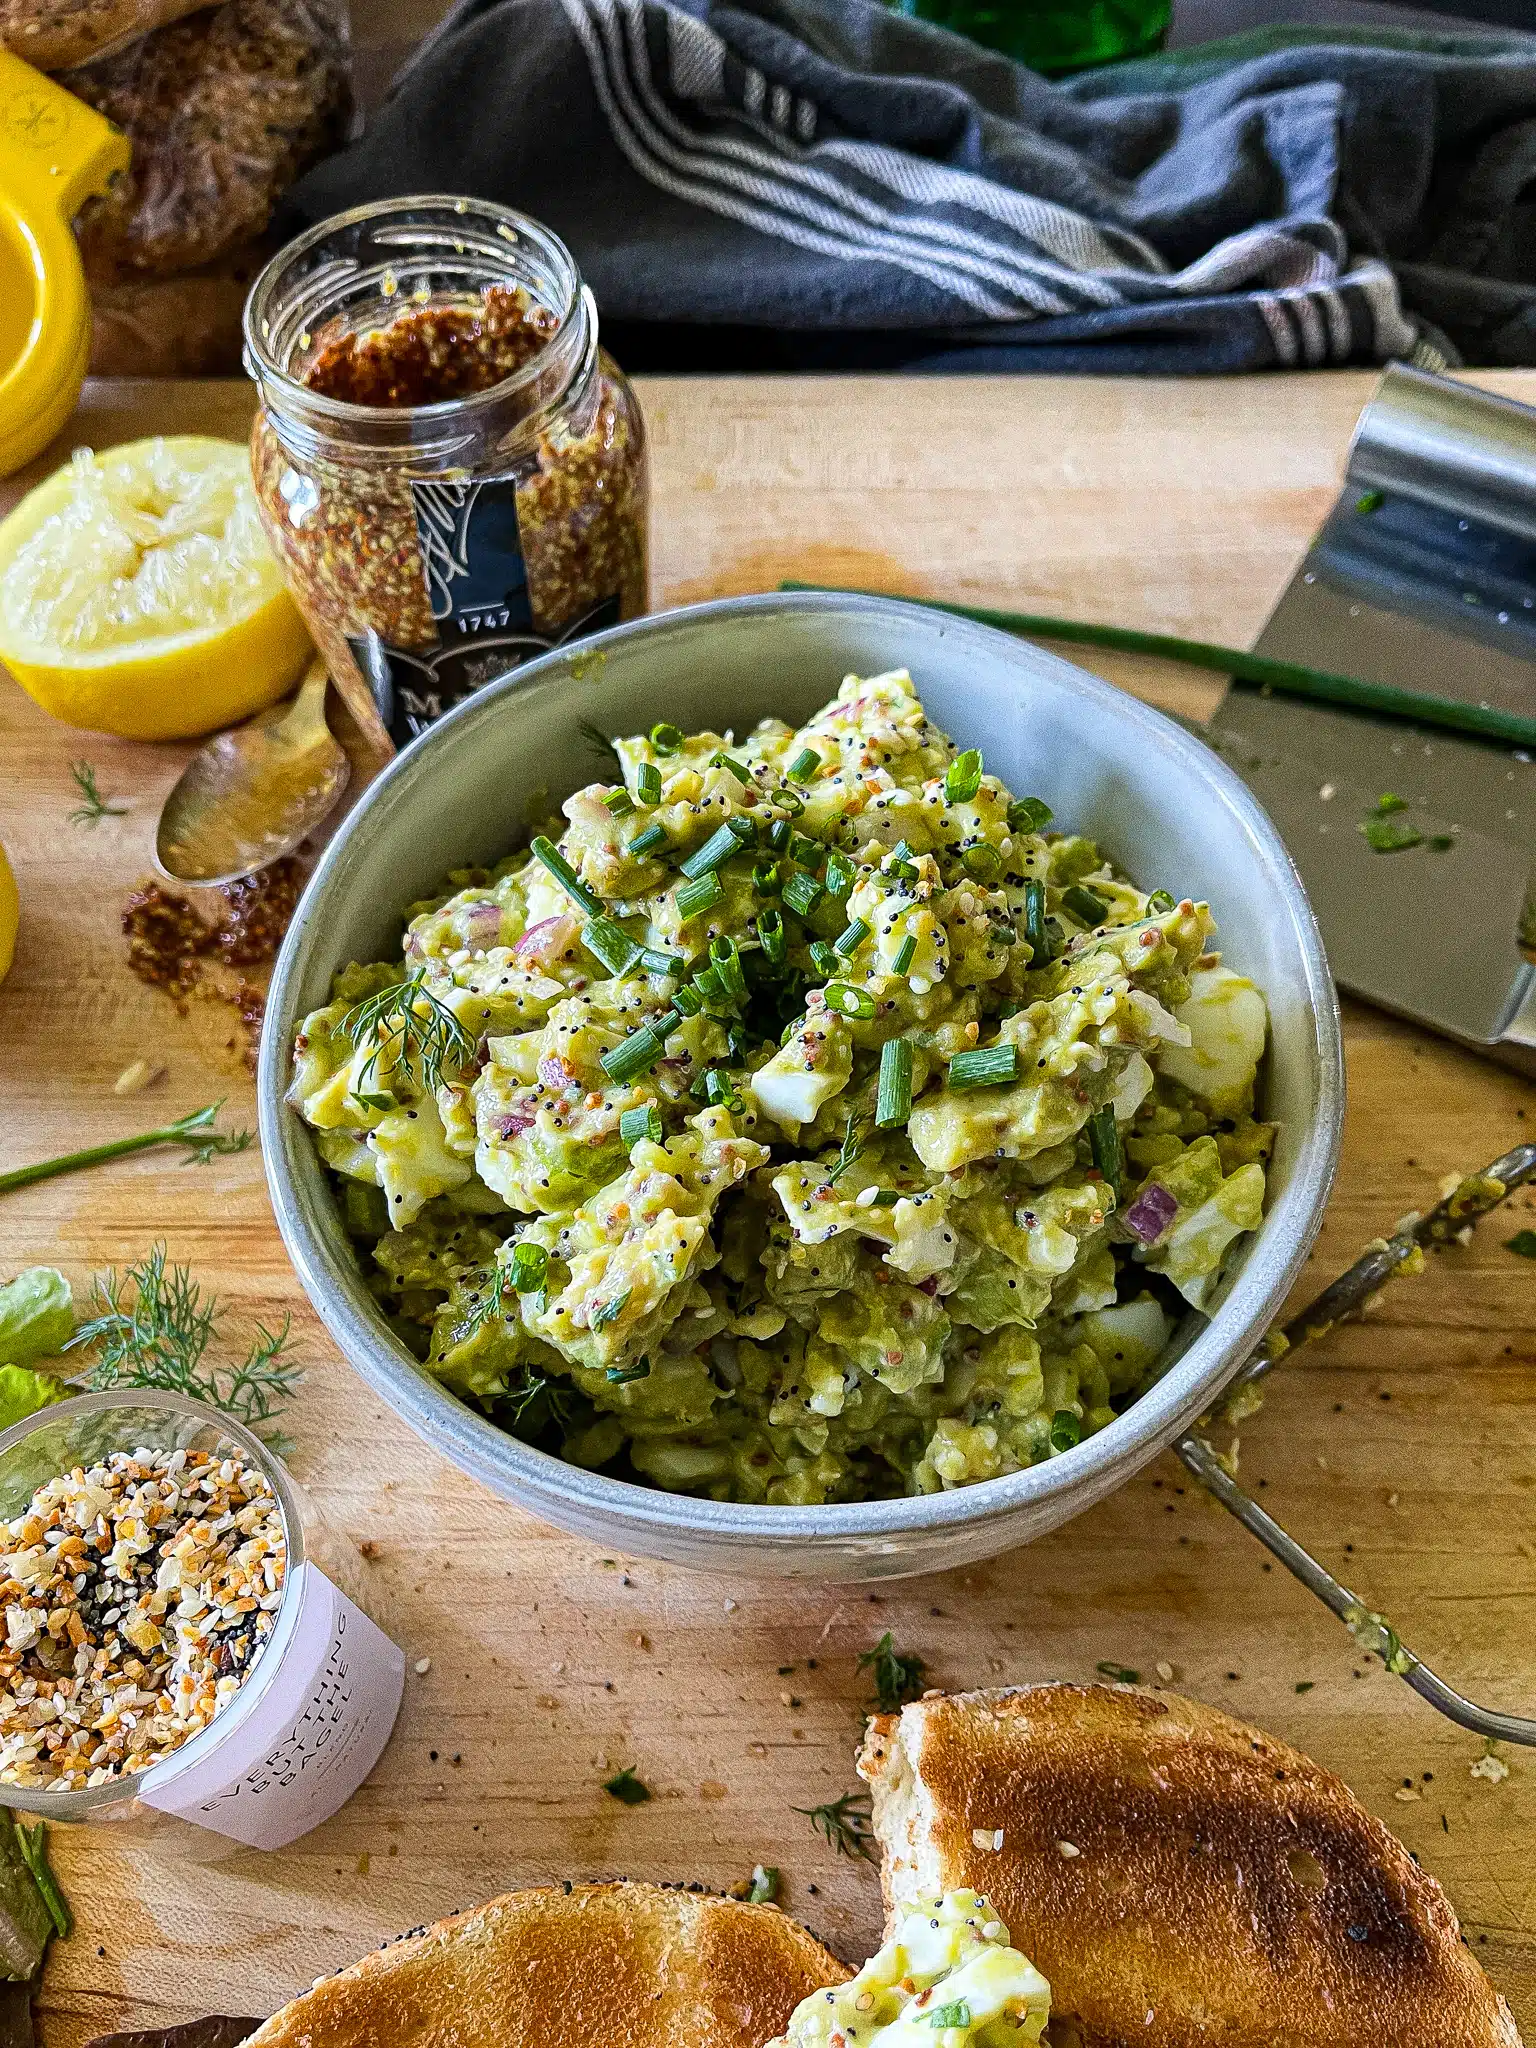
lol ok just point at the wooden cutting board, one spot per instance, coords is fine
(1403, 1451)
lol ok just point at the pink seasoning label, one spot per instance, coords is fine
(316, 1735)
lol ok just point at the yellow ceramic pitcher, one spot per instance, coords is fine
(54, 153)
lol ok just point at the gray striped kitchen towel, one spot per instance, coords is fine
(829, 184)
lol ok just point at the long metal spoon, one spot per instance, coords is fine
(1348, 1296)
(253, 794)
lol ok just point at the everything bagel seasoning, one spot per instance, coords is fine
(137, 1594)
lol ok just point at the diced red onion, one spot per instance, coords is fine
(554, 1072)
(514, 1123)
(1151, 1212)
(481, 923)
(545, 941)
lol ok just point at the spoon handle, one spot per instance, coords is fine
(307, 710)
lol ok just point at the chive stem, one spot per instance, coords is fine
(984, 1066)
(698, 895)
(893, 1099)
(1291, 676)
(556, 864)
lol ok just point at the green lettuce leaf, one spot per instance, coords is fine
(37, 1316)
(23, 1392)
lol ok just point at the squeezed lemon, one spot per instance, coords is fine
(138, 595)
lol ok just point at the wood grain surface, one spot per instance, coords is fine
(1403, 1451)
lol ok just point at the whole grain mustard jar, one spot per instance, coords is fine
(451, 471)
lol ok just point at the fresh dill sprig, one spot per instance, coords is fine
(853, 1145)
(407, 1020)
(521, 1398)
(897, 1678)
(195, 1131)
(152, 1328)
(598, 743)
(202, 1141)
(492, 1305)
(846, 1823)
(93, 806)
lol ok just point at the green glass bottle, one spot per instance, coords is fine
(1053, 36)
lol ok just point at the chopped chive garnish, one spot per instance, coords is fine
(717, 849)
(650, 841)
(850, 938)
(648, 783)
(639, 1052)
(667, 739)
(801, 894)
(1029, 814)
(695, 897)
(983, 861)
(956, 2014)
(906, 953)
(621, 1375)
(1036, 931)
(636, 1124)
(767, 877)
(655, 961)
(1005, 935)
(619, 802)
(609, 1312)
(1108, 1157)
(893, 1100)
(709, 986)
(962, 778)
(721, 1090)
(823, 959)
(551, 858)
(849, 1001)
(770, 930)
(840, 876)
(735, 767)
(886, 1198)
(806, 851)
(530, 1264)
(1160, 902)
(726, 956)
(687, 1002)
(806, 764)
(1089, 909)
(1066, 1430)
(985, 1066)
(608, 943)
(1391, 835)
(780, 833)
(790, 800)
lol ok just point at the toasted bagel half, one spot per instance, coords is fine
(1183, 1881)
(624, 1965)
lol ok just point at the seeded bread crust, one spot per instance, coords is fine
(624, 1965)
(1183, 1881)
(53, 34)
(223, 111)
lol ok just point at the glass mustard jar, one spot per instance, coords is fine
(450, 469)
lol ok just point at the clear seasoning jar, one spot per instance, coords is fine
(450, 469)
(283, 1692)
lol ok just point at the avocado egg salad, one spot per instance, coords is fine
(808, 1121)
(947, 1978)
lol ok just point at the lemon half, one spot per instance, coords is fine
(138, 595)
(10, 915)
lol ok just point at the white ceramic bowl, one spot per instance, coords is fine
(1158, 800)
